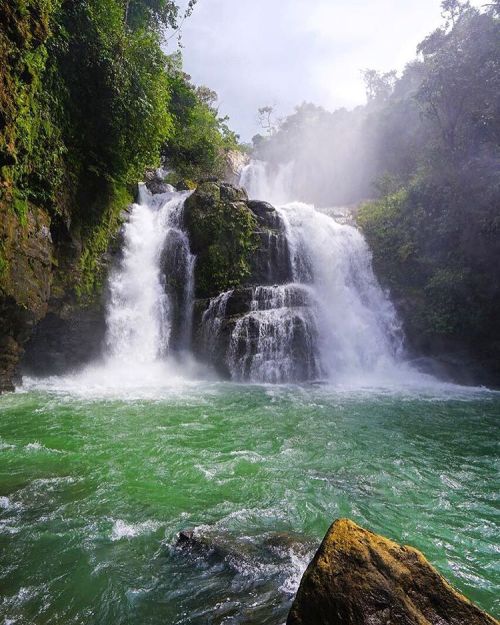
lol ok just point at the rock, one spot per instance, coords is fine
(25, 283)
(222, 235)
(182, 185)
(243, 553)
(238, 242)
(65, 340)
(360, 578)
(156, 183)
(235, 161)
(230, 328)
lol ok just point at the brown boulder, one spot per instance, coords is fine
(360, 578)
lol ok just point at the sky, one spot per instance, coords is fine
(281, 53)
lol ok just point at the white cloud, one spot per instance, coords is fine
(282, 52)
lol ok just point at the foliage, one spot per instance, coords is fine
(88, 101)
(200, 138)
(91, 269)
(30, 144)
(446, 216)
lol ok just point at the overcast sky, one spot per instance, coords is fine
(284, 52)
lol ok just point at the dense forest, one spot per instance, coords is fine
(89, 100)
(426, 150)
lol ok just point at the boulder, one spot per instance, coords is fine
(237, 242)
(360, 578)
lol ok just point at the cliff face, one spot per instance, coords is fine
(25, 284)
(360, 578)
(58, 214)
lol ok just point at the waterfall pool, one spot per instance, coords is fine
(95, 486)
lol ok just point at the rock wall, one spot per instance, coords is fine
(25, 283)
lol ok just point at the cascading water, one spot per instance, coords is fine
(140, 313)
(277, 340)
(358, 331)
(148, 315)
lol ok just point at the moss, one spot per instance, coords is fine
(4, 264)
(30, 142)
(222, 235)
(97, 241)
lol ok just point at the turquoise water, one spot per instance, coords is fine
(94, 491)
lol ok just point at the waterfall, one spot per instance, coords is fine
(151, 289)
(266, 182)
(276, 341)
(357, 330)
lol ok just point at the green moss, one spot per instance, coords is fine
(222, 235)
(97, 241)
(30, 142)
(4, 263)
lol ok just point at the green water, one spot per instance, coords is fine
(93, 493)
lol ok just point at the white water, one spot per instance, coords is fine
(139, 315)
(360, 336)
(331, 322)
(277, 340)
(139, 353)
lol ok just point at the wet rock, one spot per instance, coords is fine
(244, 554)
(238, 242)
(216, 550)
(155, 181)
(360, 578)
(65, 341)
(272, 328)
(25, 283)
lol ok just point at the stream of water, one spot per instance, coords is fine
(100, 469)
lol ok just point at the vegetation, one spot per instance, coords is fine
(88, 101)
(200, 138)
(222, 235)
(430, 140)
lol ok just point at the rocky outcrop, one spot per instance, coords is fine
(237, 242)
(234, 162)
(256, 327)
(25, 280)
(249, 322)
(360, 578)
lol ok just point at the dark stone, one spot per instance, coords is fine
(64, 343)
(236, 553)
(182, 185)
(360, 578)
(244, 304)
(25, 285)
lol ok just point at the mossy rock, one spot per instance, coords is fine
(222, 235)
(360, 578)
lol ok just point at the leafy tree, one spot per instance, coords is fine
(379, 86)
(200, 138)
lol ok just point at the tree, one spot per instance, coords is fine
(379, 86)
(451, 10)
(266, 119)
